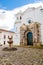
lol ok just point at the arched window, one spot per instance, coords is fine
(20, 17)
(4, 42)
(29, 21)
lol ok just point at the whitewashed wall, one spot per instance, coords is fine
(36, 15)
(33, 14)
(6, 39)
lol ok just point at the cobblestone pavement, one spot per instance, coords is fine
(22, 56)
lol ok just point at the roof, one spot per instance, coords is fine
(6, 30)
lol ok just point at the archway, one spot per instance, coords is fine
(29, 38)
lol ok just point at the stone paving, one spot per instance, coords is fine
(22, 56)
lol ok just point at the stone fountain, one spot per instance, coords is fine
(10, 41)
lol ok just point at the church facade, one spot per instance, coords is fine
(25, 30)
(30, 34)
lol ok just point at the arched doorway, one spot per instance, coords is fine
(29, 38)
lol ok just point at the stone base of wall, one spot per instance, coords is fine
(34, 44)
(34, 30)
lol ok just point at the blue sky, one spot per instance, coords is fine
(11, 4)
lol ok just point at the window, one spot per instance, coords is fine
(4, 36)
(20, 17)
(4, 42)
(29, 21)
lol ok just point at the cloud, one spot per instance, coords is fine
(7, 18)
(36, 4)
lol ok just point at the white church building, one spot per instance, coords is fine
(30, 14)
